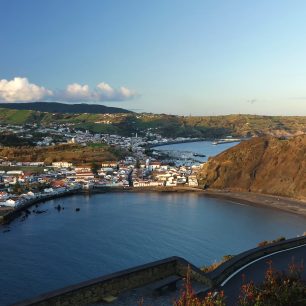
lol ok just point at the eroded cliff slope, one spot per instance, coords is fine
(265, 165)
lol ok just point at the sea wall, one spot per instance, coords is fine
(160, 144)
(94, 290)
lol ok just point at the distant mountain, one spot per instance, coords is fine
(55, 107)
(263, 164)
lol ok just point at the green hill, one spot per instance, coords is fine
(166, 125)
(56, 107)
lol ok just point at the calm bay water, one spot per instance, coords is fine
(115, 231)
(200, 147)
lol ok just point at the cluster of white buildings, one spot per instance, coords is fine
(136, 170)
(64, 176)
(9, 199)
(156, 174)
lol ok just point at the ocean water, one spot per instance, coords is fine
(115, 231)
(200, 147)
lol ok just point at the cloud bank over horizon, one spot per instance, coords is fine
(19, 89)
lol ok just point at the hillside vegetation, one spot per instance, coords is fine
(263, 164)
(74, 153)
(127, 124)
(56, 107)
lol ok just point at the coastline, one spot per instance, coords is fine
(258, 199)
(250, 198)
(161, 144)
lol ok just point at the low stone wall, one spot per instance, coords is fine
(226, 269)
(94, 290)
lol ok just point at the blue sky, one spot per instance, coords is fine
(173, 56)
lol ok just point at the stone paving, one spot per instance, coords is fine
(134, 296)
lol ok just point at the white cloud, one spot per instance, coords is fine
(21, 90)
(126, 93)
(74, 92)
(102, 92)
(105, 88)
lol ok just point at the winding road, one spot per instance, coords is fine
(255, 270)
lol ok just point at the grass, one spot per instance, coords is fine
(23, 168)
(74, 153)
(166, 125)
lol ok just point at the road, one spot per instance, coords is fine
(256, 271)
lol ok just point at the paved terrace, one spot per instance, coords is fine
(129, 286)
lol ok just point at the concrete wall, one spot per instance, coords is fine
(226, 269)
(94, 290)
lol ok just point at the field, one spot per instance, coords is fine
(74, 153)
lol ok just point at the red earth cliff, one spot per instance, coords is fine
(264, 165)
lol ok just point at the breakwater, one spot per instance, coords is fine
(151, 146)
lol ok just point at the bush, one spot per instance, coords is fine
(263, 243)
(189, 298)
(215, 265)
(278, 288)
(266, 242)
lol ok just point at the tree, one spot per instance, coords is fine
(94, 168)
(137, 165)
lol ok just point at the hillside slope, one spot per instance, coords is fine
(265, 165)
(127, 124)
(56, 107)
(74, 153)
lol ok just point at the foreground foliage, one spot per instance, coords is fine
(188, 296)
(278, 288)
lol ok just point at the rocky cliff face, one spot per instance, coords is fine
(264, 165)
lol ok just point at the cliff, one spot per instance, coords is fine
(264, 165)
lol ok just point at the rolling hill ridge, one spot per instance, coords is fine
(56, 107)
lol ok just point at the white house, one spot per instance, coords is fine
(192, 181)
(61, 164)
(154, 165)
(14, 172)
(10, 203)
(171, 183)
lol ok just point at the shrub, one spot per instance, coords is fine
(189, 298)
(215, 265)
(263, 243)
(266, 242)
(278, 288)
